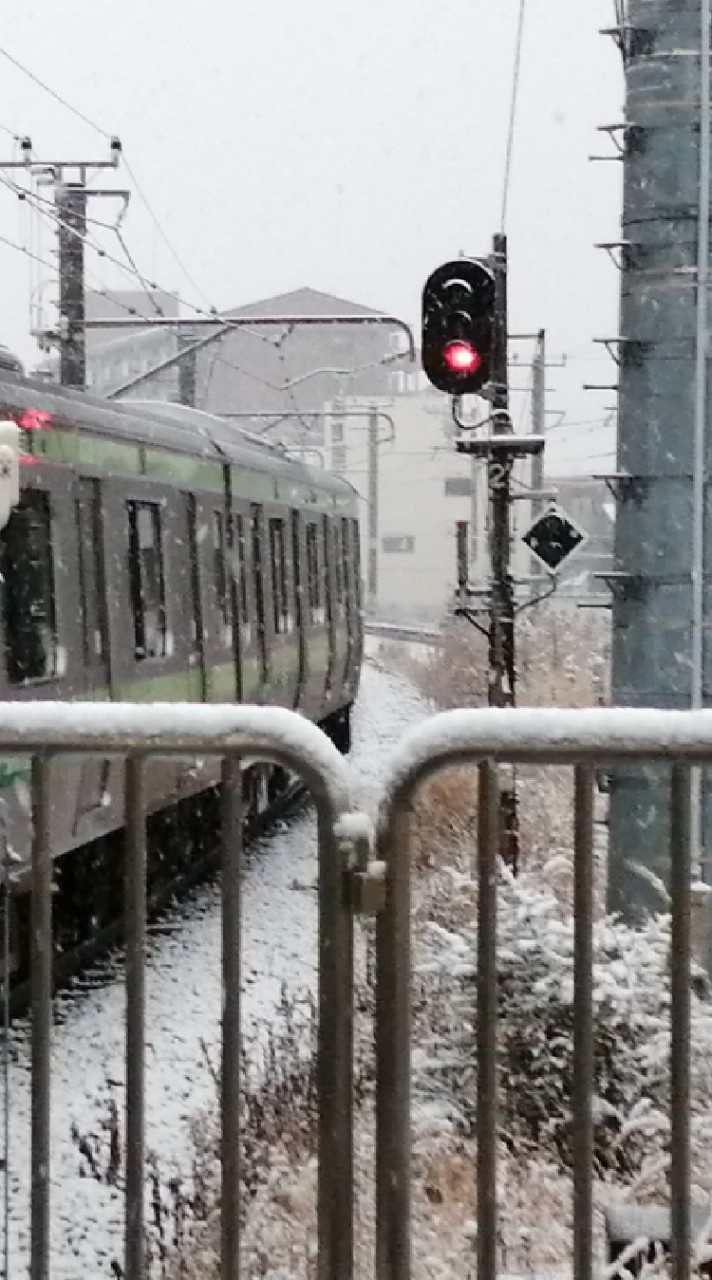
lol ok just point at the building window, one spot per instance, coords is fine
(338, 457)
(146, 581)
(458, 487)
(280, 611)
(28, 590)
(398, 546)
(337, 431)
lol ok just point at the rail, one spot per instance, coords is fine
(583, 739)
(139, 733)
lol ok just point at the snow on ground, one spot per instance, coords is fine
(184, 1005)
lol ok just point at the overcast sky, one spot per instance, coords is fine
(346, 146)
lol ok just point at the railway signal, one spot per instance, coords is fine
(458, 326)
(553, 537)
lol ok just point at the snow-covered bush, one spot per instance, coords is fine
(535, 1029)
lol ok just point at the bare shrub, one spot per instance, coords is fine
(444, 815)
(562, 660)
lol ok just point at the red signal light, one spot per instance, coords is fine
(461, 357)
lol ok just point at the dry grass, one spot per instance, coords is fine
(562, 661)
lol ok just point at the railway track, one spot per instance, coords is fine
(194, 822)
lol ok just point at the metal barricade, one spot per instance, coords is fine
(582, 738)
(47, 730)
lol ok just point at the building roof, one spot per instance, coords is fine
(303, 302)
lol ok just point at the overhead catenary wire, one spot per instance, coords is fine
(518, 40)
(177, 259)
(53, 93)
(208, 311)
(80, 115)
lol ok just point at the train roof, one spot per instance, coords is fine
(171, 426)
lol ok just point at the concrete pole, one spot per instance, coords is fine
(662, 598)
(71, 204)
(538, 427)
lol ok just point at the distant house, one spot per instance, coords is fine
(265, 369)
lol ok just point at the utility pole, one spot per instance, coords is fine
(661, 597)
(502, 663)
(71, 195)
(538, 428)
(187, 368)
(372, 567)
(464, 351)
(71, 204)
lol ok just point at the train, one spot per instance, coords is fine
(159, 554)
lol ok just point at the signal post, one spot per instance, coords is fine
(464, 351)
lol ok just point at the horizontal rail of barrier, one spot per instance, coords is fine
(584, 739)
(47, 730)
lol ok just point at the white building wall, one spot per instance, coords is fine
(425, 487)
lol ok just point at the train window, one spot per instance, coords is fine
(297, 568)
(356, 553)
(241, 569)
(91, 576)
(220, 575)
(259, 583)
(28, 590)
(313, 582)
(339, 576)
(345, 558)
(146, 581)
(280, 604)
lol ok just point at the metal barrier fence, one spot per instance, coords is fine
(48, 730)
(346, 885)
(582, 739)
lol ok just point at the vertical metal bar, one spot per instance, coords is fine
(393, 1138)
(135, 917)
(680, 877)
(335, 1193)
(41, 986)
(583, 1023)
(487, 849)
(231, 865)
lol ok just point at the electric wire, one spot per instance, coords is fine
(144, 199)
(512, 112)
(208, 311)
(53, 93)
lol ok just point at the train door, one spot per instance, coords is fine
(197, 665)
(330, 603)
(314, 617)
(92, 588)
(352, 577)
(257, 540)
(299, 607)
(281, 622)
(341, 620)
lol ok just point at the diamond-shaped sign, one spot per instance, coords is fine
(553, 537)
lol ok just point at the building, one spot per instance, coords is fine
(423, 488)
(257, 372)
